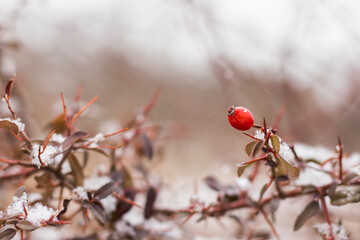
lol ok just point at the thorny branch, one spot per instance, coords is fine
(122, 186)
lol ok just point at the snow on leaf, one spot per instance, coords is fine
(17, 206)
(39, 213)
(14, 126)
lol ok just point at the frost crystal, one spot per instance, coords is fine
(285, 151)
(57, 138)
(49, 156)
(39, 213)
(80, 193)
(35, 214)
(259, 134)
(20, 124)
(17, 206)
(94, 141)
(338, 231)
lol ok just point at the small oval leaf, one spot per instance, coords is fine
(73, 138)
(331, 190)
(46, 141)
(309, 211)
(76, 169)
(150, 200)
(213, 183)
(258, 146)
(7, 234)
(285, 168)
(275, 142)
(123, 206)
(147, 146)
(97, 209)
(127, 178)
(262, 192)
(106, 190)
(249, 147)
(2, 222)
(241, 169)
(8, 88)
(9, 125)
(274, 204)
(26, 225)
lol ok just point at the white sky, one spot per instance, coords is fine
(321, 36)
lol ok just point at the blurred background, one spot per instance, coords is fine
(205, 55)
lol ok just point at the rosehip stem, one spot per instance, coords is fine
(249, 135)
(255, 160)
(257, 126)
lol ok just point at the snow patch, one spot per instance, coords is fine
(313, 176)
(52, 154)
(338, 231)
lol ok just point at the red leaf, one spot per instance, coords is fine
(46, 141)
(8, 88)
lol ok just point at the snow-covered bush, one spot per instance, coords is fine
(121, 199)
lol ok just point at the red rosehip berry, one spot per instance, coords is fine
(240, 118)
